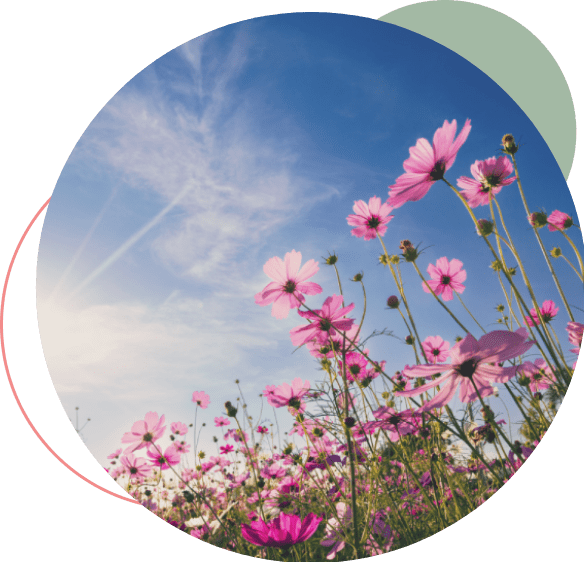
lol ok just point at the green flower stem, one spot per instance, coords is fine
(535, 230)
(467, 331)
(576, 252)
(510, 280)
(469, 313)
(523, 273)
(402, 293)
(572, 266)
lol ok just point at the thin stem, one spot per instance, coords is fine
(469, 313)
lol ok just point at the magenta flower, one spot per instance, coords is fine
(548, 310)
(289, 281)
(282, 532)
(436, 349)
(261, 429)
(144, 432)
(220, 422)
(446, 277)
(356, 366)
(178, 428)
(324, 323)
(471, 361)
(201, 399)
(427, 164)
(575, 332)
(396, 423)
(226, 449)
(559, 221)
(135, 466)
(164, 461)
(371, 219)
(489, 179)
(289, 395)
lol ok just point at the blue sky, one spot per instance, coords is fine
(243, 144)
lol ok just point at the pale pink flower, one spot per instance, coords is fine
(135, 466)
(144, 432)
(539, 373)
(559, 221)
(575, 332)
(548, 310)
(446, 277)
(333, 347)
(181, 447)
(427, 164)
(201, 399)
(489, 178)
(397, 423)
(356, 366)
(371, 219)
(436, 349)
(324, 323)
(178, 428)
(220, 422)
(471, 361)
(115, 455)
(289, 395)
(289, 281)
(171, 457)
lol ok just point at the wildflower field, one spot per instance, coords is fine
(385, 454)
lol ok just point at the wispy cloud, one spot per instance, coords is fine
(207, 159)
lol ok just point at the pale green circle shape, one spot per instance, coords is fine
(511, 56)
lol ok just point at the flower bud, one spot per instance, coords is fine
(394, 259)
(383, 259)
(358, 277)
(556, 252)
(349, 422)
(496, 265)
(410, 340)
(500, 308)
(393, 302)
(484, 227)
(331, 260)
(537, 219)
(231, 411)
(509, 145)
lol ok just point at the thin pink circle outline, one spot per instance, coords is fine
(10, 378)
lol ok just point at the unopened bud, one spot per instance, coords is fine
(393, 302)
(556, 252)
(484, 227)
(509, 145)
(537, 219)
(349, 422)
(231, 411)
(410, 340)
(331, 260)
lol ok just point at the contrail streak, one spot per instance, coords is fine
(131, 241)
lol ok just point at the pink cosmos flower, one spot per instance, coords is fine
(575, 332)
(324, 323)
(262, 429)
(396, 423)
(334, 346)
(371, 219)
(548, 310)
(144, 432)
(290, 395)
(446, 277)
(282, 532)
(226, 449)
(436, 349)
(201, 399)
(472, 361)
(559, 221)
(427, 164)
(539, 373)
(289, 281)
(115, 455)
(178, 428)
(220, 422)
(356, 368)
(164, 461)
(181, 447)
(135, 466)
(336, 528)
(489, 179)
